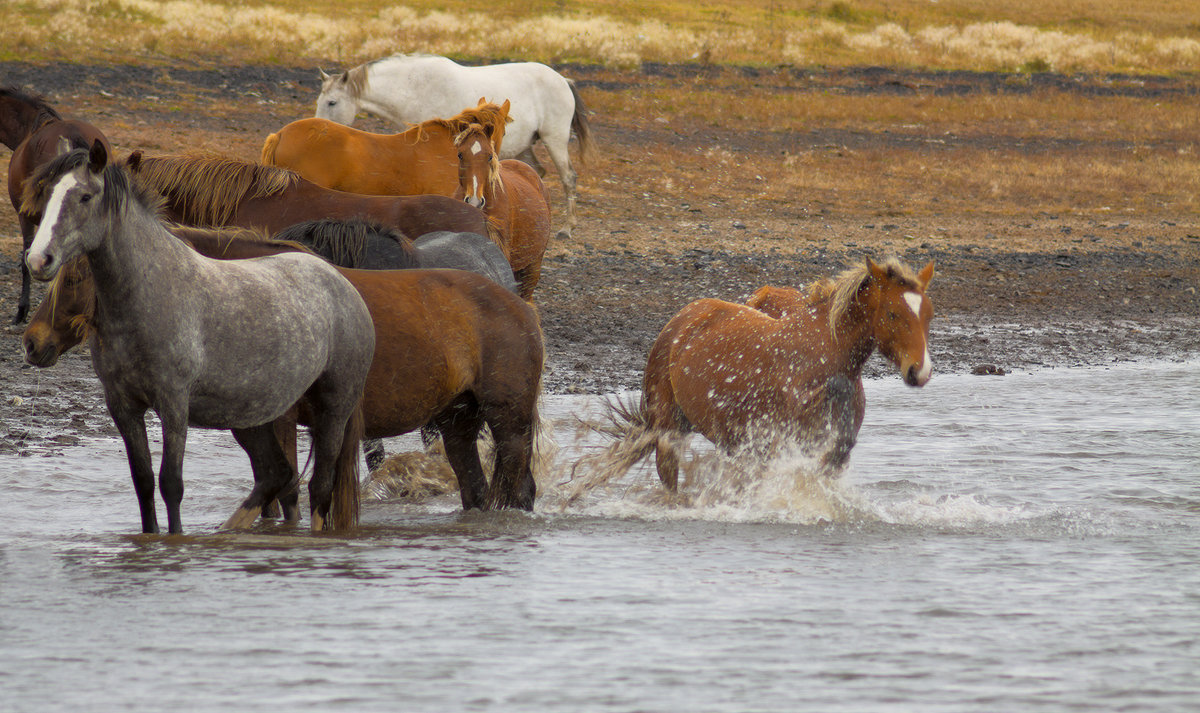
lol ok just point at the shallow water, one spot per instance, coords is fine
(1028, 542)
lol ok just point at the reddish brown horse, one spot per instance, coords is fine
(413, 162)
(744, 378)
(209, 191)
(31, 128)
(512, 197)
(482, 363)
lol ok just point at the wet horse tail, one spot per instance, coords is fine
(268, 149)
(343, 510)
(634, 439)
(581, 127)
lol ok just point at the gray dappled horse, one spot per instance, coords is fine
(208, 343)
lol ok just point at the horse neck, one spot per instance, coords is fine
(136, 246)
(18, 120)
(852, 334)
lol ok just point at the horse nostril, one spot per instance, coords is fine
(910, 376)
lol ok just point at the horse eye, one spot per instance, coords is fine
(85, 198)
(332, 102)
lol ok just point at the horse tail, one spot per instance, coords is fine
(268, 150)
(634, 439)
(579, 124)
(343, 510)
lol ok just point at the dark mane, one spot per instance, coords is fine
(119, 186)
(45, 112)
(344, 242)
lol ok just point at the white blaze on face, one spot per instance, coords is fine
(914, 303)
(50, 216)
(476, 148)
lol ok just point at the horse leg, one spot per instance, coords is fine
(460, 424)
(132, 426)
(288, 498)
(512, 484)
(374, 453)
(170, 472)
(841, 402)
(557, 148)
(28, 228)
(527, 279)
(272, 473)
(529, 157)
(666, 460)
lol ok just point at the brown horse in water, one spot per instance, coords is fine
(512, 197)
(210, 191)
(747, 379)
(413, 162)
(481, 364)
(31, 128)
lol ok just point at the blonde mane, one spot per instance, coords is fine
(840, 289)
(211, 187)
(487, 115)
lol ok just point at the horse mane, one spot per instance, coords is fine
(345, 241)
(357, 81)
(488, 114)
(841, 289)
(119, 186)
(494, 165)
(210, 188)
(79, 269)
(45, 112)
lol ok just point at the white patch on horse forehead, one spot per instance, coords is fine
(914, 302)
(51, 214)
(476, 148)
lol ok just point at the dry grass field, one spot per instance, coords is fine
(1044, 153)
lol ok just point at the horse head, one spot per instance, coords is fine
(478, 164)
(64, 318)
(902, 311)
(338, 100)
(73, 194)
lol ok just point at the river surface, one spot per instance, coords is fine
(1020, 543)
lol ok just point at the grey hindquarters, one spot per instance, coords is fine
(466, 251)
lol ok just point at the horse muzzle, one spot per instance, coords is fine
(42, 266)
(475, 202)
(41, 356)
(917, 373)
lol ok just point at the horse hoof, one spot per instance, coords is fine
(242, 519)
(563, 234)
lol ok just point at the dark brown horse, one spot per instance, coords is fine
(212, 191)
(512, 197)
(481, 364)
(32, 129)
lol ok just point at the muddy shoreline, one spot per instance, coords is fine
(1014, 293)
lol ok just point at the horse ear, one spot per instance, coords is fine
(134, 162)
(97, 157)
(324, 76)
(925, 275)
(504, 108)
(482, 101)
(877, 272)
(64, 146)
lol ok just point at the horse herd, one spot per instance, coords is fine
(394, 294)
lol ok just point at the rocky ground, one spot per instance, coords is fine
(1010, 292)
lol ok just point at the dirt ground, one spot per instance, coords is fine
(1011, 292)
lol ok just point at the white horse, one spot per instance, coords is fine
(409, 89)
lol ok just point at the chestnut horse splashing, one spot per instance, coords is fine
(790, 373)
